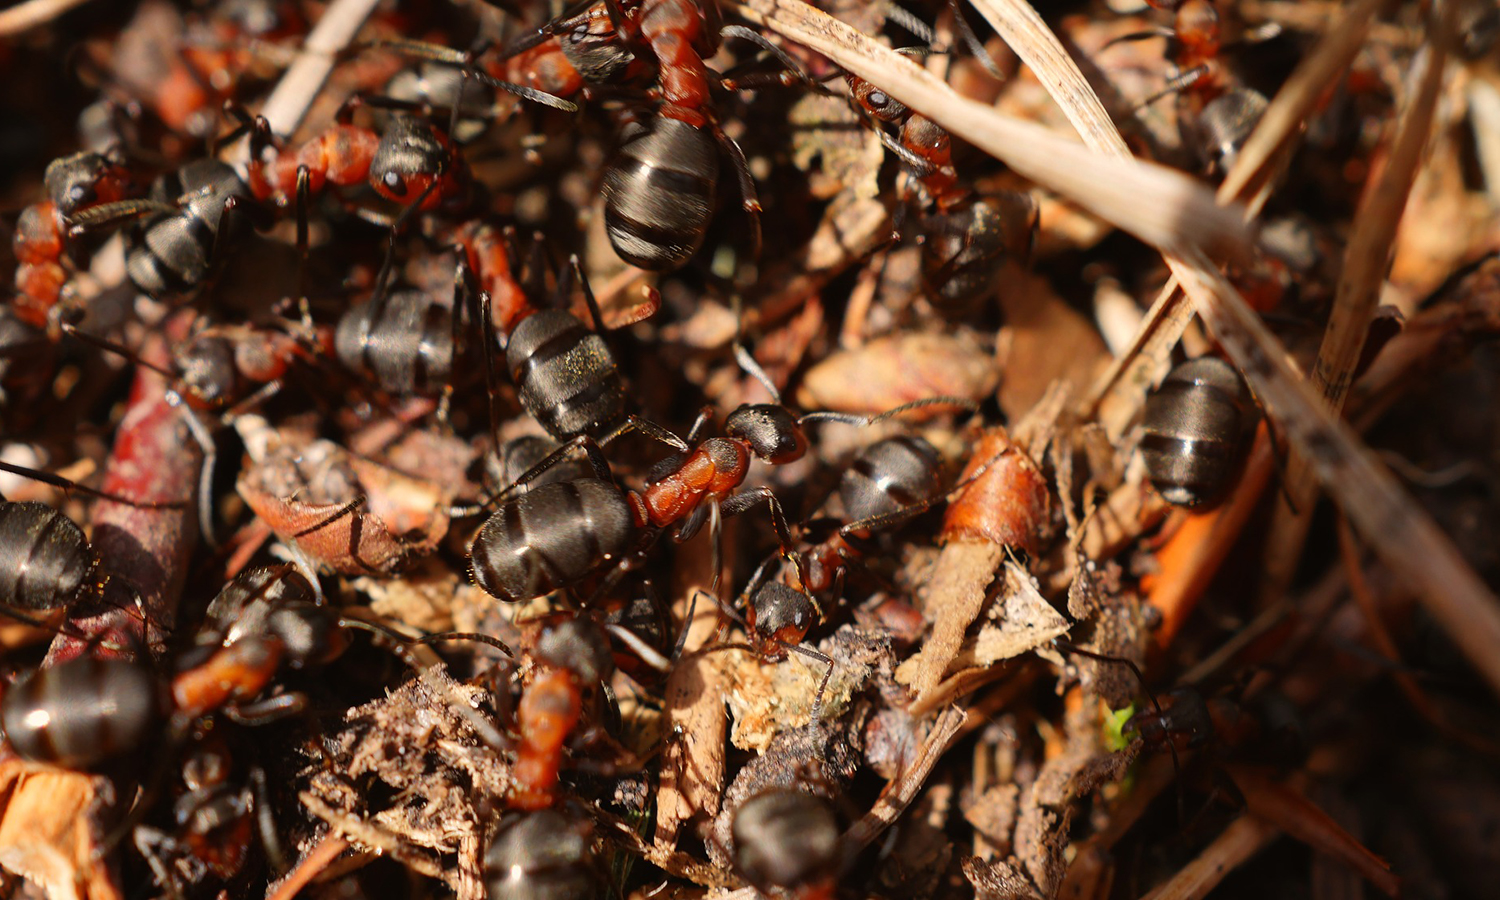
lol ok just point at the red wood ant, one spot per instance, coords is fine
(572, 656)
(967, 235)
(74, 183)
(1218, 113)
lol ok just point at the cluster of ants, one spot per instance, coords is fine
(557, 521)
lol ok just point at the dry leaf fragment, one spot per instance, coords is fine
(1006, 501)
(998, 880)
(49, 830)
(1021, 620)
(890, 371)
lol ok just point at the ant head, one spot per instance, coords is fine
(779, 615)
(877, 102)
(596, 51)
(542, 855)
(785, 839)
(207, 367)
(410, 157)
(83, 179)
(578, 645)
(771, 431)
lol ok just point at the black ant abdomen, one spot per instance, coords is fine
(45, 560)
(82, 712)
(659, 193)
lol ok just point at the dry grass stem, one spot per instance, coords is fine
(1182, 214)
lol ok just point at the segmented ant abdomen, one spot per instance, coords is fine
(659, 193)
(579, 646)
(771, 431)
(79, 713)
(174, 252)
(551, 538)
(44, 557)
(1195, 428)
(786, 840)
(541, 855)
(1224, 125)
(403, 340)
(779, 615)
(889, 476)
(966, 244)
(84, 179)
(565, 375)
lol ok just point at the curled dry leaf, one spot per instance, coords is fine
(890, 371)
(955, 594)
(360, 539)
(1006, 501)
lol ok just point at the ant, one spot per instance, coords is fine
(571, 656)
(89, 710)
(1219, 114)
(187, 221)
(74, 183)
(660, 187)
(967, 235)
(46, 561)
(1196, 426)
(212, 821)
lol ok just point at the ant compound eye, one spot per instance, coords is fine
(395, 184)
(877, 99)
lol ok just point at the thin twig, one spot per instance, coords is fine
(1356, 298)
(32, 14)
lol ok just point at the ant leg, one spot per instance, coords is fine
(817, 705)
(591, 452)
(750, 365)
(745, 500)
(205, 472)
(1179, 83)
(972, 42)
(69, 484)
(150, 843)
(304, 199)
(265, 821)
(705, 415)
(649, 429)
(794, 69)
(263, 712)
(749, 200)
